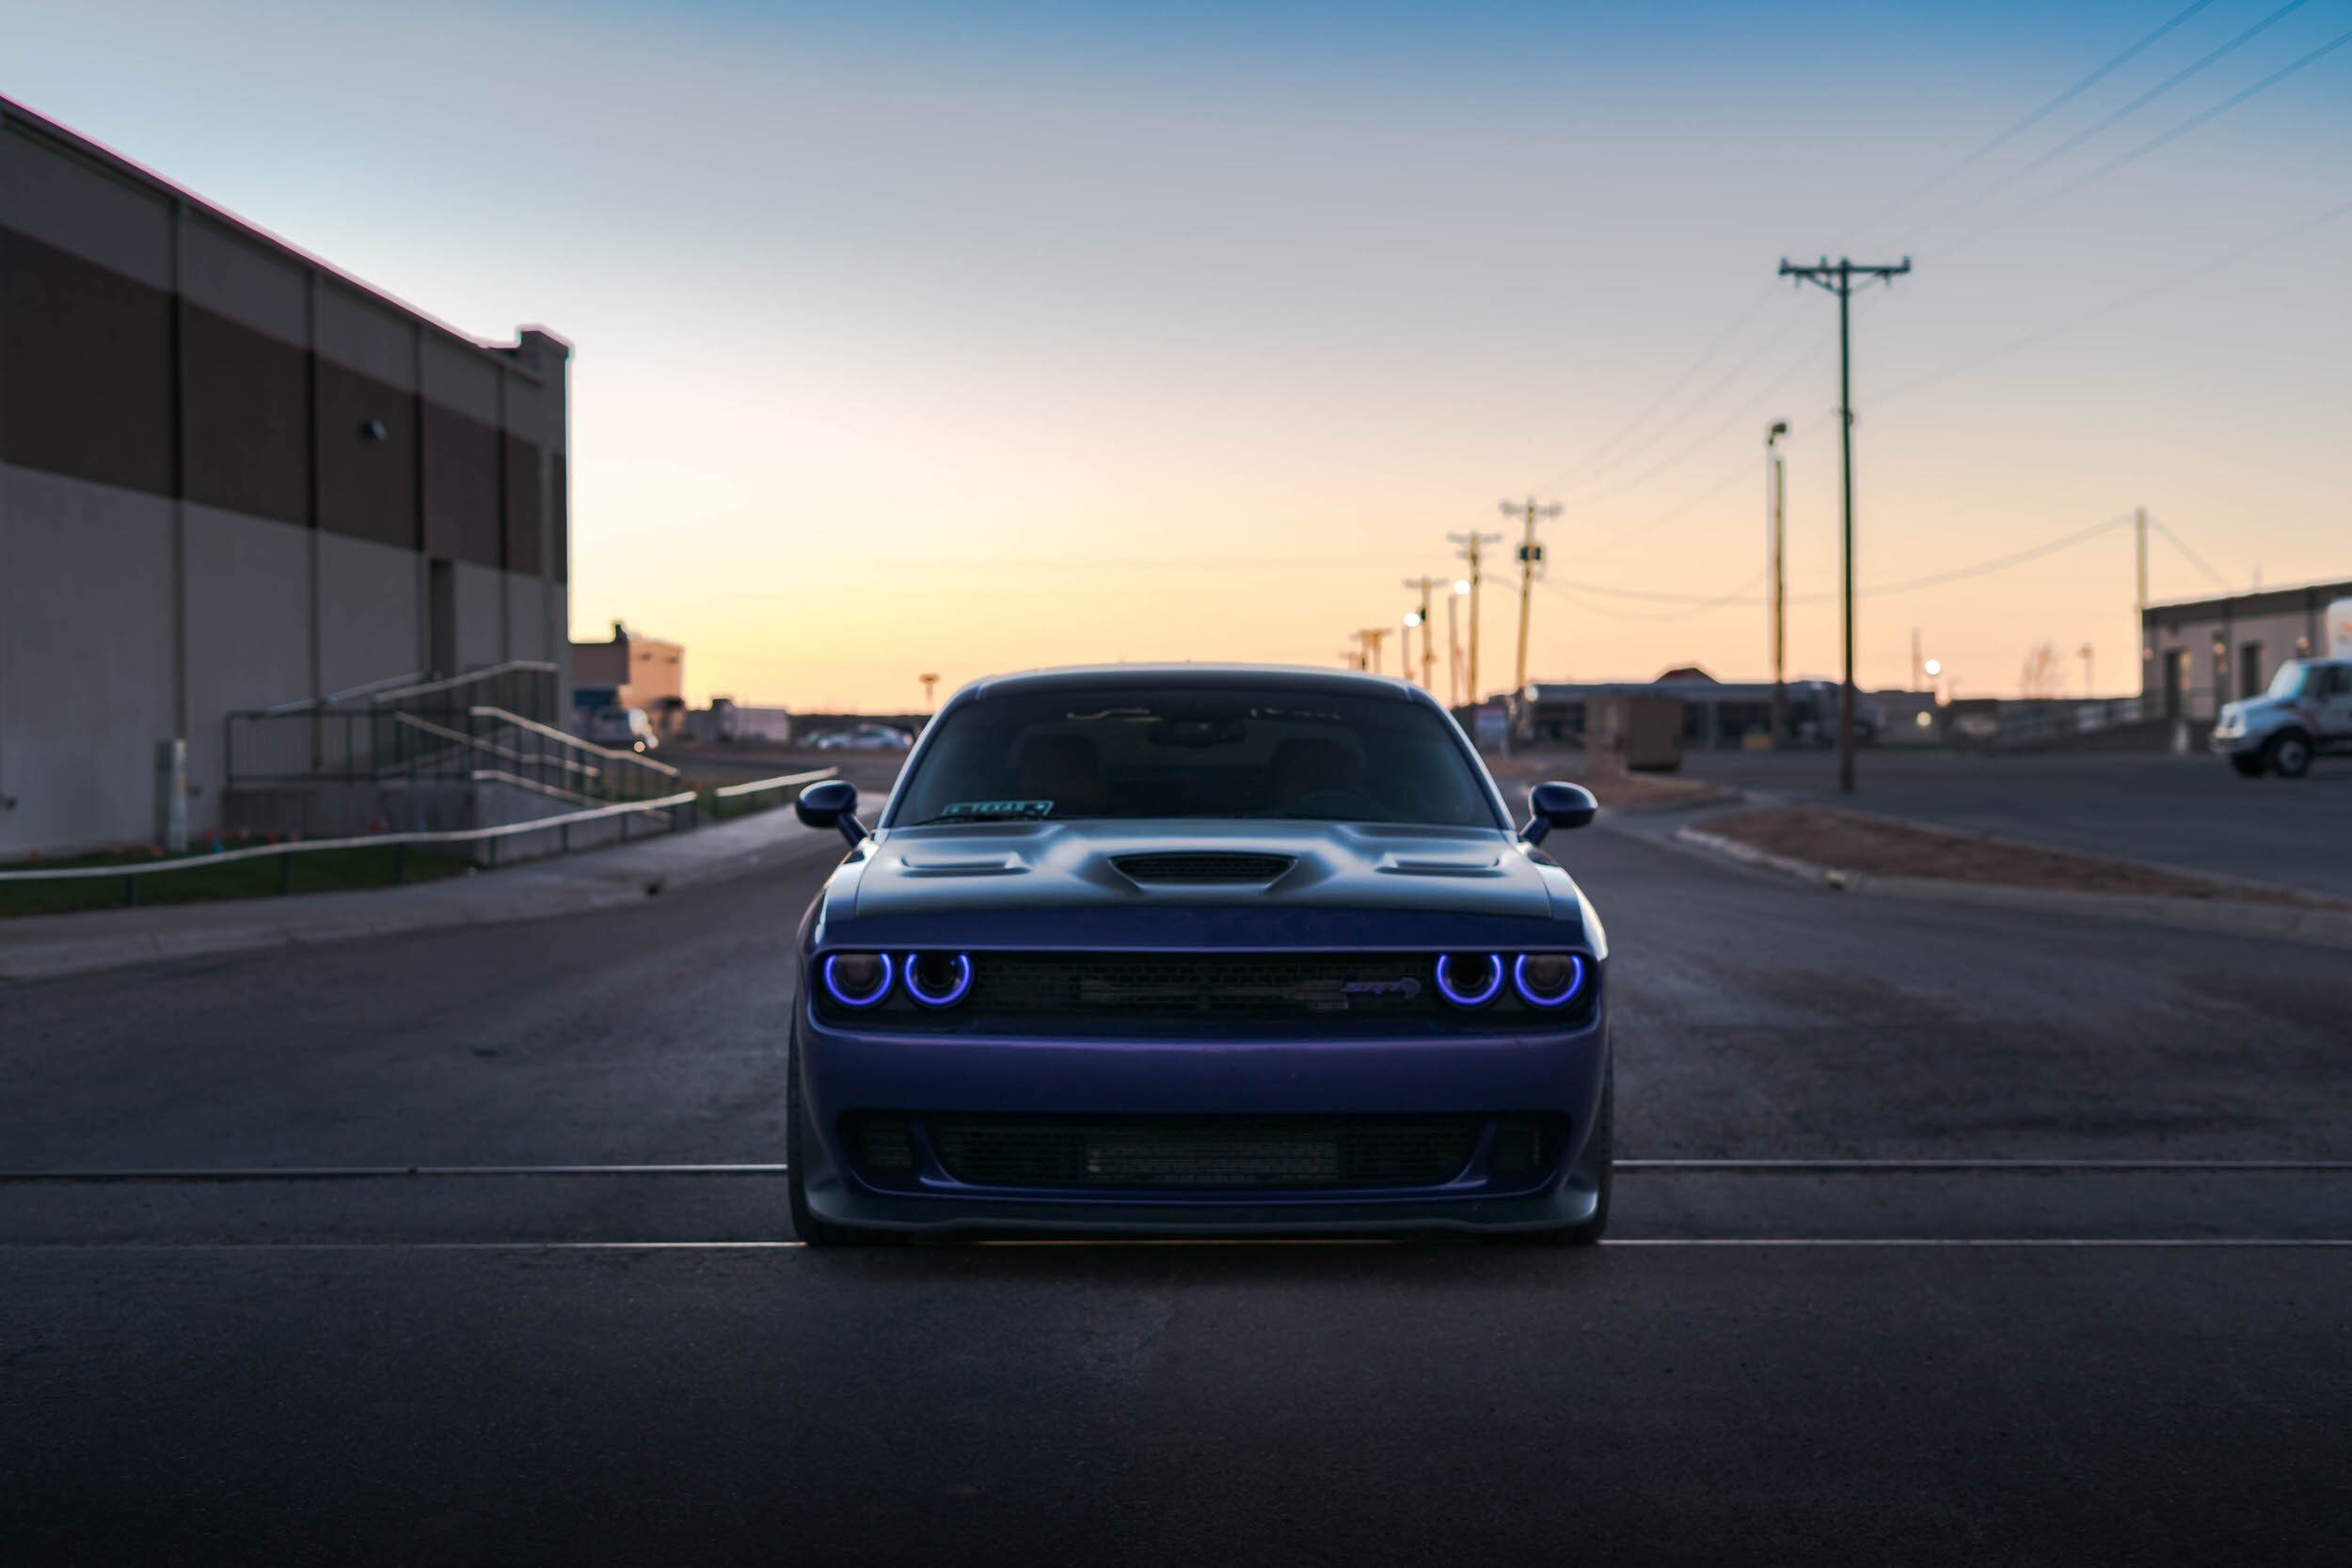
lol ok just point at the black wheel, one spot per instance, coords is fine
(808, 1226)
(2249, 766)
(1599, 1153)
(2289, 754)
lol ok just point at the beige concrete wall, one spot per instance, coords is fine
(249, 634)
(371, 612)
(88, 673)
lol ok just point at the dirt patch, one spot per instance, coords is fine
(1851, 841)
(1617, 790)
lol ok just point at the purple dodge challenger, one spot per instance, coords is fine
(1197, 950)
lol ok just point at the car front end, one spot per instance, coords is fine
(1118, 1026)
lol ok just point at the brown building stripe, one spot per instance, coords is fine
(88, 394)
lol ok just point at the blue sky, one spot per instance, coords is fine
(964, 337)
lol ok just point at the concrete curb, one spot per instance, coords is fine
(2324, 927)
(43, 947)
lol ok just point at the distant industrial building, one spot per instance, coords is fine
(232, 478)
(1716, 715)
(631, 671)
(2198, 654)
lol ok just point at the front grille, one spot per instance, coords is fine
(1243, 986)
(1160, 992)
(1202, 868)
(1203, 1153)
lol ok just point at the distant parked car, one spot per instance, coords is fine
(623, 727)
(865, 738)
(2307, 712)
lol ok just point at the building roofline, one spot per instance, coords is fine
(137, 173)
(2285, 593)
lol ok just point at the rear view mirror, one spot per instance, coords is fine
(830, 804)
(1558, 805)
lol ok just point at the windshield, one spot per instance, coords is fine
(2288, 682)
(1198, 752)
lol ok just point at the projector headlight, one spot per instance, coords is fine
(1470, 979)
(938, 979)
(856, 979)
(1547, 979)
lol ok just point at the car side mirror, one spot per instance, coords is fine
(1558, 805)
(830, 804)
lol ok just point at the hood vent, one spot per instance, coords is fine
(1202, 868)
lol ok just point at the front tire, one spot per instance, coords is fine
(2289, 754)
(812, 1231)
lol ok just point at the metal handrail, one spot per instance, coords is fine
(475, 743)
(782, 781)
(303, 704)
(372, 840)
(567, 738)
(469, 677)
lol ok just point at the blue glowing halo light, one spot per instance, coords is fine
(961, 962)
(1536, 998)
(1477, 996)
(832, 986)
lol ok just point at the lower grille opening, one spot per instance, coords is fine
(1203, 1153)
(881, 1143)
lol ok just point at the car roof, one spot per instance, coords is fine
(1096, 677)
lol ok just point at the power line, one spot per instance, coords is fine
(2051, 156)
(1698, 607)
(2037, 116)
(2194, 123)
(1934, 579)
(2045, 334)
(2216, 112)
(1714, 346)
(1720, 384)
(2194, 558)
(2000, 563)
(1737, 417)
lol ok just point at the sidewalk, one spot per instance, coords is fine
(42, 947)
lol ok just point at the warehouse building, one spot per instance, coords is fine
(2198, 654)
(233, 479)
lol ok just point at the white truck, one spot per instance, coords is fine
(2306, 713)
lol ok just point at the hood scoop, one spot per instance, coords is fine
(1196, 865)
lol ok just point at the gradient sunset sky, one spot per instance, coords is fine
(968, 338)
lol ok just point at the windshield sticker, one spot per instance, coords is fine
(997, 808)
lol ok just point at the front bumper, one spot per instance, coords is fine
(1490, 1075)
(2232, 743)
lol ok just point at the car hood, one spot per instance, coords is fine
(1036, 865)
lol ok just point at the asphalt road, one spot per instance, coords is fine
(2192, 812)
(1963, 1366)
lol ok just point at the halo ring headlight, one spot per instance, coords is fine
(839, 970)
(960, 972)
(1479, 993)
(1539, 989)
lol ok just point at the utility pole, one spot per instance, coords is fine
(2139, 602)
(2090, 686)
(1838, 279)
(1472, 545)
(928, 681)
(1453, 645)
(1531, 556)
(1918, 665)
(1427, 623)
(1370, 636)
(1780, 583)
